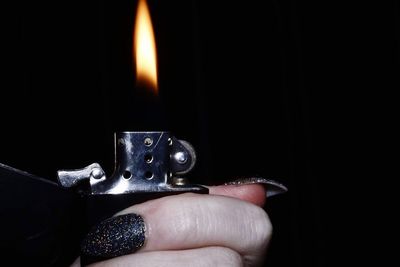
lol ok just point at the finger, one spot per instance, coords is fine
(201, 257)
(253, 193)
(191, 221)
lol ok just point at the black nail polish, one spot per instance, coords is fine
(115, 236)
(273, 187)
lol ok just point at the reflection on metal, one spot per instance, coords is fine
(144, 162)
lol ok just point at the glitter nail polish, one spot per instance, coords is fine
(115, 236)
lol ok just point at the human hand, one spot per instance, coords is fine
(228, 227)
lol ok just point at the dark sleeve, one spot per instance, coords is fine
(40, 222)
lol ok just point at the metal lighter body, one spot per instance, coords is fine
(148, 165)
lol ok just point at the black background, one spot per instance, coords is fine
(285, 89)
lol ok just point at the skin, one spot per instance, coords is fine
(228, 227)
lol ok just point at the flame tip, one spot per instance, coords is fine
(144, 47)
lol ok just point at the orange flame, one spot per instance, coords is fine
(144, 48)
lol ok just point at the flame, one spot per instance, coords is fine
(144, 48)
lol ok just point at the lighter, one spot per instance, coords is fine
(148, 165)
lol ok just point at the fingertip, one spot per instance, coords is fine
(253, 193)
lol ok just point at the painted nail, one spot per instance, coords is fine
(115, 236)
(273, 187)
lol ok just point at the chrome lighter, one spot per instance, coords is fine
(147, 165)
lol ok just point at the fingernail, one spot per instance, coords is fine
(273, 187)
(115, 236)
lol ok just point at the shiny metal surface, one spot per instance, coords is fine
(144, 162)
